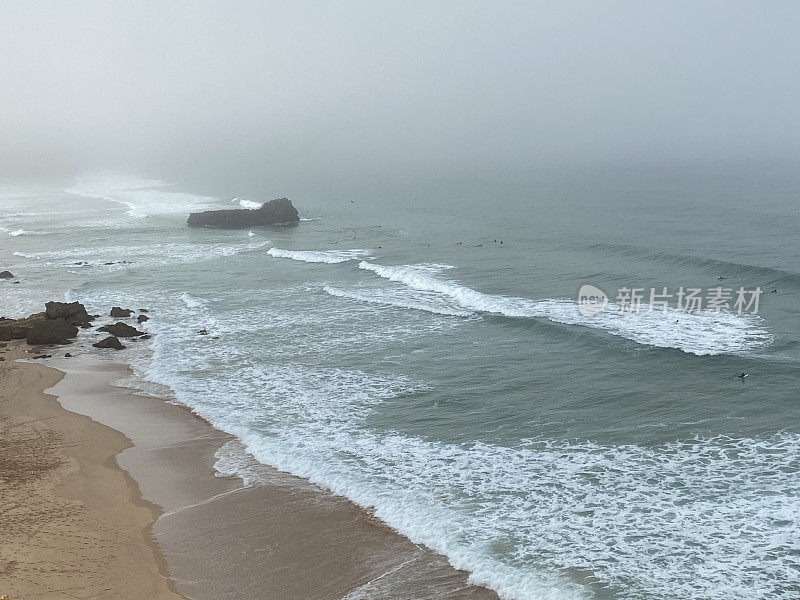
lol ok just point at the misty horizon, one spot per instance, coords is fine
(336, 97)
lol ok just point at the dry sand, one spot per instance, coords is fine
(77, 526)
(72, 523)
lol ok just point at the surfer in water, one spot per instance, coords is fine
(742, 376)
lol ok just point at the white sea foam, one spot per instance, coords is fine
(638, 519)
(633, 520)
(320, 256)
(401, 299)
(17, 232)
(192, 301)
(703, 334)
(247, 203)
(118, 258)
(143, 197)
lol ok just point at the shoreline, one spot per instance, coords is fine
(219, 537)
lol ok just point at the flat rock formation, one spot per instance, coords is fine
(273, 212)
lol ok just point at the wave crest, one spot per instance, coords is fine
(320, 256)
(702, 334)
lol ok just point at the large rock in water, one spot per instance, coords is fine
(109, 342)
(118, 312)
(121, 330)
(273, 212)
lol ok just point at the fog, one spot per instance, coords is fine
(339, 94)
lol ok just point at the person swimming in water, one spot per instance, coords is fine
(742, 376)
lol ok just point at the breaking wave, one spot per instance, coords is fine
(247, 203)
(143, 197)
(320, 256)
(705, 333)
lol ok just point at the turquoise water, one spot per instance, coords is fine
(392, 349)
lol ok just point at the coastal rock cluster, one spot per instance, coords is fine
(274, 212)
(60, 323)
(56, 325)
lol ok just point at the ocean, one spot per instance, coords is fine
(426, 356)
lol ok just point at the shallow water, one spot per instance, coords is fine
(391, 350)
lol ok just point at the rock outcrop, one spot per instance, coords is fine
(142, 318)
(6, 275)
(73, 313)
(121, 330)
(51, 331)
(118, 312)
(18, 329)
(109, 342)
(57, 325)
(274, 212)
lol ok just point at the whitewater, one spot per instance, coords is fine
(458, 393)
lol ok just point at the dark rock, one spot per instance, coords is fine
(118, 312)
(73, 312)
(121, 330)
(273, 212)
(6, 275)
(20, 328)
(203, 332)
(42, 356)
(109, 342)
(15, 282)
(51, 331)
(2, 359)
(147, 336)
(142, 318)
(67, 355)
(143, 310)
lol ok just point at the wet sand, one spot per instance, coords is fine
(284, 538)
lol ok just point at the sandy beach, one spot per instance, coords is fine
(107, 493)
(73, 524)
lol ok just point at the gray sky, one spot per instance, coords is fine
(334, 90)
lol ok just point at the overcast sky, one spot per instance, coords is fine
(332, 89)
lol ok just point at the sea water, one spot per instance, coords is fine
(428, 359)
